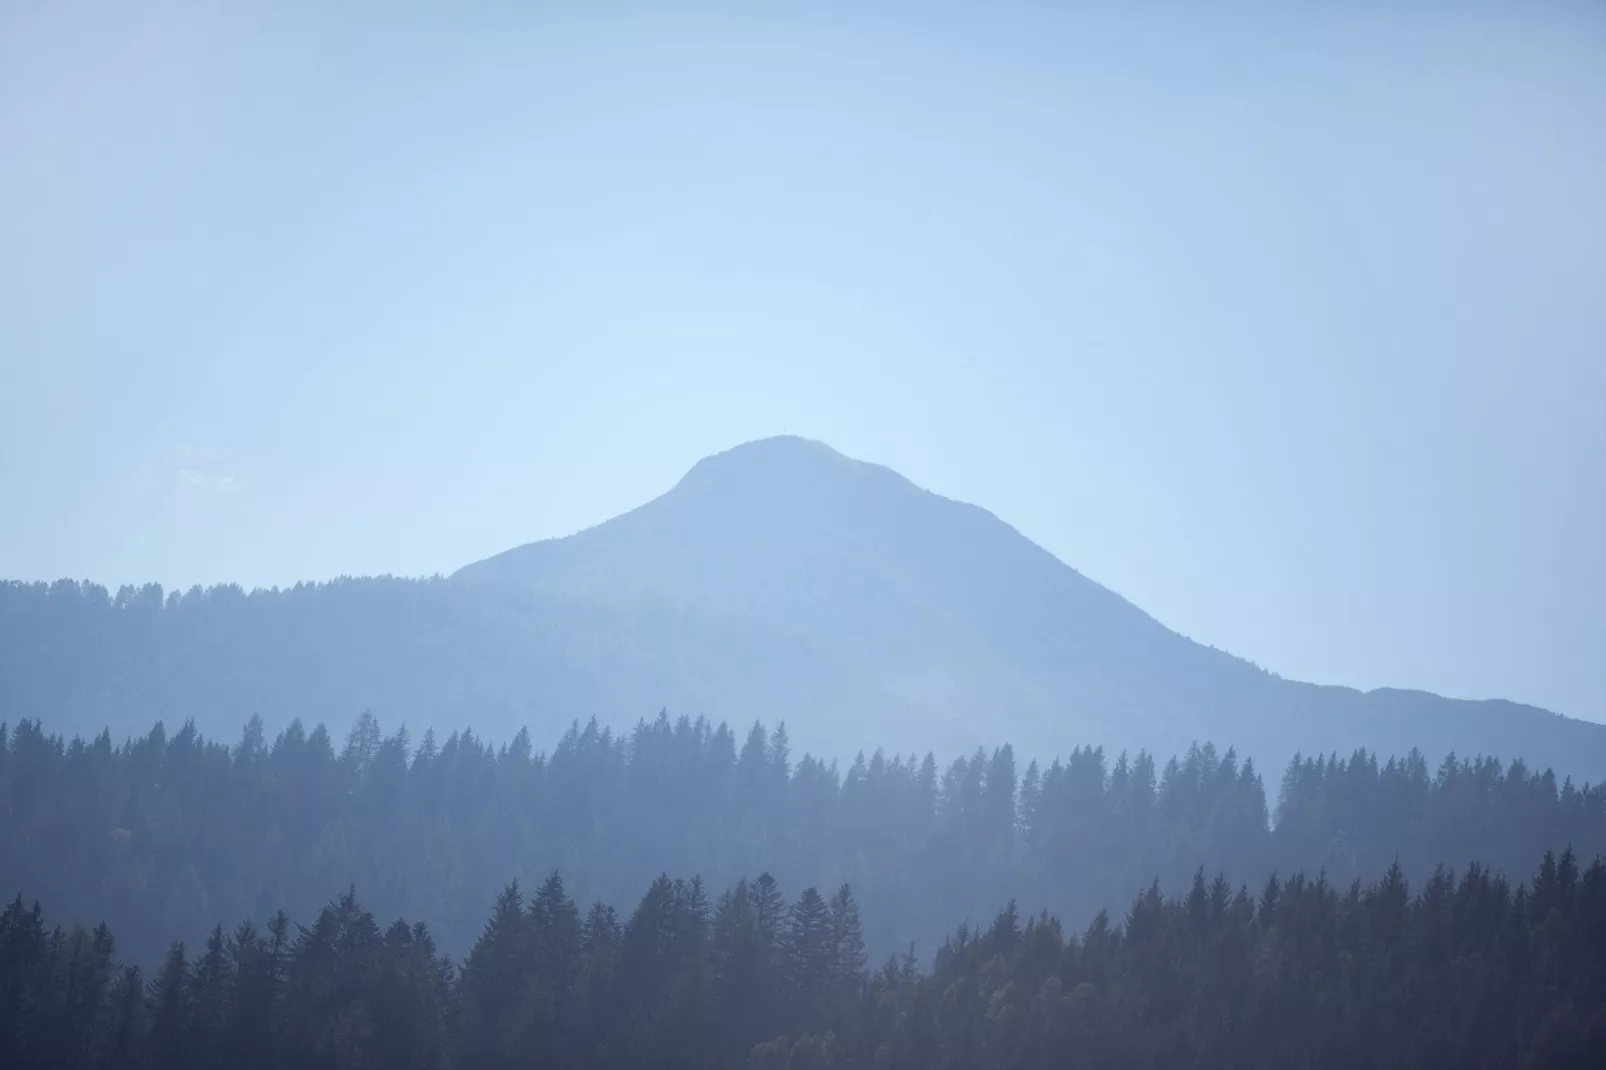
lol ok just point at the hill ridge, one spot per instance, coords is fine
(779, 580)
(779, 532)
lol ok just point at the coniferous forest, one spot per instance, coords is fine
(163, 836)
(1470, 971)
(436, 635)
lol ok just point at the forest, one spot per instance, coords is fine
(1469, 972)
(1051, 536)
(161, 836)
(1041, 670)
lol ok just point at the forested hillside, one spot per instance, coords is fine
(415, 651)
(164, 833)
(1469, 973)
(779, 578)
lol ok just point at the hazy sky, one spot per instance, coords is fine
(1292, 329)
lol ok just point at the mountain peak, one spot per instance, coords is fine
(782, 458)
(857, 605)
(777, 446)
(771, 476)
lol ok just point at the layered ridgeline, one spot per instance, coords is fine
(778, 578)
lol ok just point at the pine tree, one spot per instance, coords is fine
(119, 1043)
(169, 1011)
(551, 975)
(212, 994)
(493, 978)
(768, 909)
(847, 941)
(810, 956)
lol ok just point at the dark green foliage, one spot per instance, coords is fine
(163, 832)
(808, 957)
(1471, 972)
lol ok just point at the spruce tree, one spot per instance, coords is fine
(493, 979)
(810, 956)
(168, 1011)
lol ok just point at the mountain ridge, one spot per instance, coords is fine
(776, 581)
(734, 533)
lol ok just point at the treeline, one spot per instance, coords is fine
(682, 982)
(158, 834)
(495, 656)
(1470, 973)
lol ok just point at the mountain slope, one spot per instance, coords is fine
(779, 580)
(971, 630)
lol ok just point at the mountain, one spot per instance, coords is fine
(778, 580)
(965, 631)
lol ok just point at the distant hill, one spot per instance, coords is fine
(970, 630)
(776, 580)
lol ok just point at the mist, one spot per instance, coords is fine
(872, 535)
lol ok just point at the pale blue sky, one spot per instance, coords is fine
(1291, 329)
